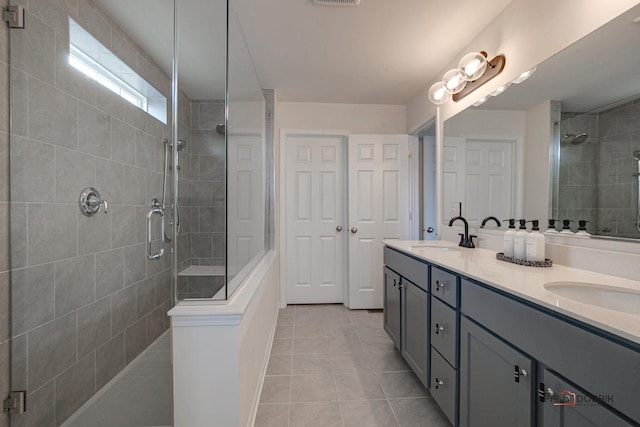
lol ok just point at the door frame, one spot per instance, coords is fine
(282, 204)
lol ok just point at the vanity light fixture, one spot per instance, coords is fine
(473, 71)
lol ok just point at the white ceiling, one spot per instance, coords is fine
(380, 52)
(599, 70)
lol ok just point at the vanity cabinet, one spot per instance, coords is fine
(490, 358)
(496, 380)
(414, 314)
(406, 309)
(391, 284)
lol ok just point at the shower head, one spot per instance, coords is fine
(221, 129)
(636, 155)
(181, 144)
(575, 139)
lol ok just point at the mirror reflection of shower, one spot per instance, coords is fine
(182, 144)
(575, 139)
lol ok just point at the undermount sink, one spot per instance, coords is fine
(609, 297)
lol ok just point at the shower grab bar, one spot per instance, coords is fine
(160, 212)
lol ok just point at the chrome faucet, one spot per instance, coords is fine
(466, 241)
(490, 218)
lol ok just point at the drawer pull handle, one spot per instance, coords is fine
(438, 382)
(439, 328)
(439, 286)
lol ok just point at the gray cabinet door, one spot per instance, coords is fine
(491, 393)
(415, 327)
(569, 406)
(392, 305)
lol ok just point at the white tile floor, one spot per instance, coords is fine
(329, 366)
(140, 396)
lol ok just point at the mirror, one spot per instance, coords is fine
(581, 110)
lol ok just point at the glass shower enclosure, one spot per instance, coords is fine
(137, 178)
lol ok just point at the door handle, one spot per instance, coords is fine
(339, 228)
(354, 230)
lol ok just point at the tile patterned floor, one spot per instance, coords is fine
(331, 366)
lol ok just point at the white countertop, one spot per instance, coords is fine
(528, 282)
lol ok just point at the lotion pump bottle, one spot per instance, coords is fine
(535, 244)
(582, 228)
(552, 226)
(566, 229)
(520, 241)
(508, 238)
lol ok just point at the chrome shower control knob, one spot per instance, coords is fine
(91, 202)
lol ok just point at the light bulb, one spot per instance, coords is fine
(454, 81)
(473, 66)
(438, 94)
(524, 76)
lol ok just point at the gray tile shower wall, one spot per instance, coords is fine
(203, 176)
(619, 137)
(577, 198)
(83, 295)
(5, 331)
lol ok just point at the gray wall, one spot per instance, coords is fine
(619, 137)
(597, 179)
(83, 295)
(5, 333)
(203, 209)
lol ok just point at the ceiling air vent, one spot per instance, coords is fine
(337, 2)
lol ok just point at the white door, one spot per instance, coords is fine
(479, 173)
(245, 197)
(379, 209)
(489, 179)
(315, 217)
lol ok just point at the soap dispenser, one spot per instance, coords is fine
(552, 226)
(566, 229)
(535, 243)
(582, 228)
(508, 238)
(520, 241)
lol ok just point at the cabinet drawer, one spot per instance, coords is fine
(444, 285)
(443, 330)
(411, 268)
(443, 385)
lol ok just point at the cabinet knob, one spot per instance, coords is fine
(354, 230)
(439, 286)
(437, 383)
(339, 228)
(395, 282)
(439, 328)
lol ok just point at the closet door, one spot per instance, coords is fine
(314, 217)
(379, 209)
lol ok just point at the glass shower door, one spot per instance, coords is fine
(90, 110)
